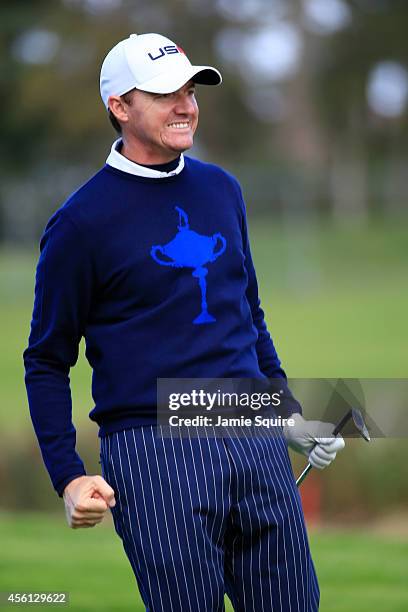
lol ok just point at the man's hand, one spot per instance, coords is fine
(87, 498)
(313, 439)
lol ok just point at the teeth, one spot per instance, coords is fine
(179, 126)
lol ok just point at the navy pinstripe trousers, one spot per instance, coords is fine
(201, 516)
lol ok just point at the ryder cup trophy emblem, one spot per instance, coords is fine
(191, 250)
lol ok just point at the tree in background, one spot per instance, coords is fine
(313, 100)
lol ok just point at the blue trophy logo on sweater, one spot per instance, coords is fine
(191, 250)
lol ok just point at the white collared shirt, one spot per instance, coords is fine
(120, 162)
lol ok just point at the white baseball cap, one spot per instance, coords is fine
(153, 63)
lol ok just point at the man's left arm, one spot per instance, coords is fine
(268, 359)
(310, 438)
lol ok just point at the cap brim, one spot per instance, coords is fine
(206, 75)
(168, 82)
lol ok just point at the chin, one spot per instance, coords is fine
(181, 145)
(179, 142)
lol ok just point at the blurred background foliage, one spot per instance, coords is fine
(311, 115)
(312, 119)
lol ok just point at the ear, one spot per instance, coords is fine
(118, 108)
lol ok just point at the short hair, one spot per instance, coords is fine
(128, 100)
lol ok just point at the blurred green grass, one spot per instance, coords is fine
(335, 299)
(357, 571)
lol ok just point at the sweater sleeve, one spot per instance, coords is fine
(63, 291)
(269, 362)
(268, 359)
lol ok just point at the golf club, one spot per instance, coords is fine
(360, 426)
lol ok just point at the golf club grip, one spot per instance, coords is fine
(303, 475)
(341, 424)
(335, 431)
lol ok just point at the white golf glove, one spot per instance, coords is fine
(313, 439)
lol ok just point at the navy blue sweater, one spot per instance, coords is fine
(157, 276)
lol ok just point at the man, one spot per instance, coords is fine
(198, 516)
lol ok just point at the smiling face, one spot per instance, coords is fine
(156, 128)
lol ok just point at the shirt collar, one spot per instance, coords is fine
(120, 162)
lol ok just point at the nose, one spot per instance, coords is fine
(185, 104)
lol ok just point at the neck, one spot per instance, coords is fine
(141, 155)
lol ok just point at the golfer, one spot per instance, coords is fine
(150, 262)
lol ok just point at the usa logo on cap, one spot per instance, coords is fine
(167, 50)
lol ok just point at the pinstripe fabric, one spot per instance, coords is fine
(202, 516)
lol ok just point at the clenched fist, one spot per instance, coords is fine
(86, 499)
